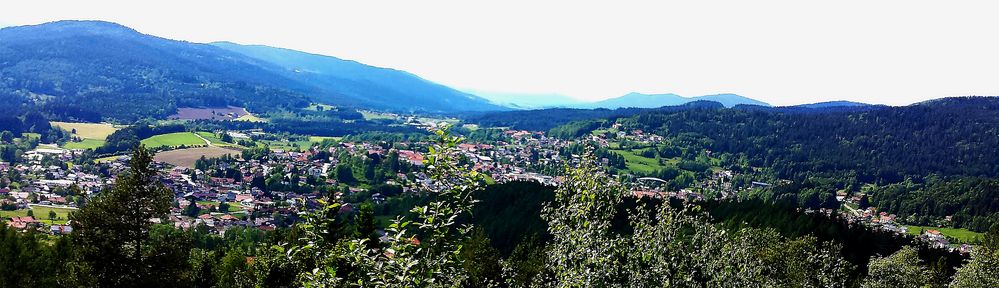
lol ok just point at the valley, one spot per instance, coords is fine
(130, 158)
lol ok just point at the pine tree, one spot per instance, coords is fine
(113, 228)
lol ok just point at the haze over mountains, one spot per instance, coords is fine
(630, 100)
(528, 100)
(833, 104)
(639, 100)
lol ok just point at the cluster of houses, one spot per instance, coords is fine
(510, 159)
(887, 222)
(44, 183)
(224, 203)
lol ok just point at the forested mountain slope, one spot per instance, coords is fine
(88, 70)
(952, 136)
(370, 86)
(95, 70)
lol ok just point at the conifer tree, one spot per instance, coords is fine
(112, 230)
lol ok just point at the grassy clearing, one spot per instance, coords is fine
(638, 163)
(289, 145)
(369, 115)
(106, 159)
(84, 144)
(28, 136)
(212, 137)
(451, 121)
(315, 107)
(173, 140)
(97, 131)
(635, 162)
(207, 202)
(41, 214)
(962, 235)
(235, 207)
(599, 132)
(471, 127)
(251, 118)
(320, 139)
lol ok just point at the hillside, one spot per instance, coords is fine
(372, 87)
(545, 119)
(95, 70)
(952, 136)
(88, 70)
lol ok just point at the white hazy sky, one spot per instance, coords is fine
(782, 52)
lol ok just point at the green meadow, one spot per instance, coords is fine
(173, 140)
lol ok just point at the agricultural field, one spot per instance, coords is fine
(187, 157)
(98, 131)
(41, 213)
(223, 113)
(92, 135)
(173, 140)
(83, 144)
(962, 235)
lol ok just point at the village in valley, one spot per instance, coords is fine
(343, 144)
(244, 184)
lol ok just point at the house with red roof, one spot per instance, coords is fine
(22, 222)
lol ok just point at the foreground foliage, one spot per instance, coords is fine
(668, 246)
(415, 253)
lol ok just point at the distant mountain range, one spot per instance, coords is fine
(831, 104)
(630, 100)
(639, 100)
(528, 100)
(95, 69)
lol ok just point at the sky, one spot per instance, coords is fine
(781, 52)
